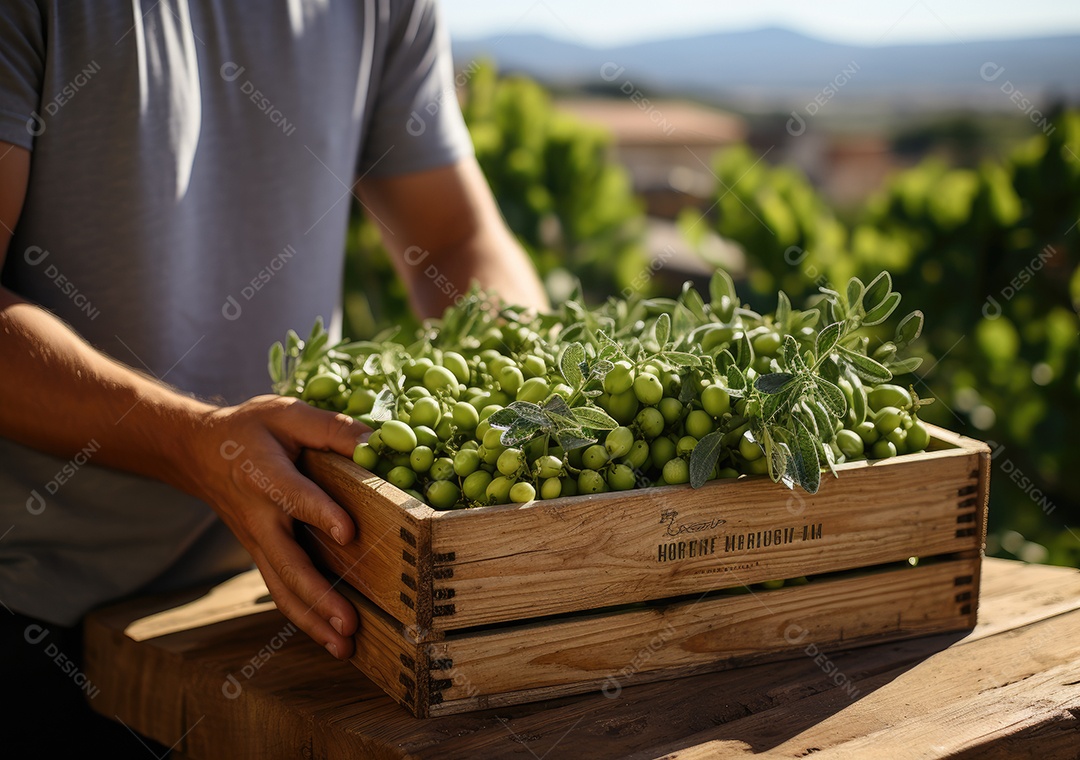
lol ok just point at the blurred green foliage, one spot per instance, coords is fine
(991, 254)
(562, 194)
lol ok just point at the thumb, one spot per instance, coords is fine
(327, 431)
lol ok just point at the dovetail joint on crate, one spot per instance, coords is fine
(963, 598)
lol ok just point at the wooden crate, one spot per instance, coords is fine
(469, 609)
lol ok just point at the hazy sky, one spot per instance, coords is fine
(606, 22)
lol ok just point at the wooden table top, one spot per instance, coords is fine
(251, 686)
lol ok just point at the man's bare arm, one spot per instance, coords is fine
(58, 393)
(444, 223)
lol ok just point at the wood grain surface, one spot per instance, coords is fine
(1009, 688)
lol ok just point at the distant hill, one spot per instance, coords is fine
(776, 66)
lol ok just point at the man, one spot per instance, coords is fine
(175, 183)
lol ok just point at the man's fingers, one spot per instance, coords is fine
(311, 600)
(303, 500)
(292, 607)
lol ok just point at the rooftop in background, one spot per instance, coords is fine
(654, 122)
(667, 145)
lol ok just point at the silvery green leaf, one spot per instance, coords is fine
(876, 292)
(503, 418)
(704, 457)
(276, 362)
(831, 396)
(570, 365)
(594, 417)
(571, 438)
(519, 433)
(828, 338)
(882, 311)
(910, 328)
(805, 459)
(774, 382)
(528, 411)
(855, 290)
(903, 366)
(865, 367)
(691, 299)
(681, 359)
(792, 357)
(783, 308)
(720, 285)
(383, 408)
(662, 330)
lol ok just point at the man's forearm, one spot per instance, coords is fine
(492, 259)
(59, 393)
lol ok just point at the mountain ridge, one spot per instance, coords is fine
(784, 65)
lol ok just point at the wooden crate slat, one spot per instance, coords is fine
(607, 549)
(607, 652)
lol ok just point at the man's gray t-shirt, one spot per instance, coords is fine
(187, 205)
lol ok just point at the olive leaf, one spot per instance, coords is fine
(529, 411)
(276, 364)
(519, 433)
(773, 382)
(744, 352)
(791, 355)
(831, 397)
(693, 302)
(883, 310)
(681, 358)
(909, 329)
(876, 291)
(594, 417)
(865, 367)
(906, 365)
(783, 309)
(570, 365)
(855, 290)
(807, 466)
(736, 380)
(383, 408)
(662, 330)
(704, 456)
(572, 438)
(721, 286)
(828, 338)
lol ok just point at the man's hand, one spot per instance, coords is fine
(242, 463)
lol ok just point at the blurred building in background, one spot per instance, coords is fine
(667, 145)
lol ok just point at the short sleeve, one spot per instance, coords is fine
(416, 122)
(22, 63)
